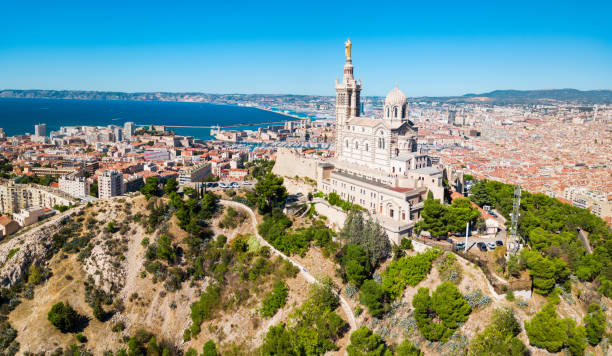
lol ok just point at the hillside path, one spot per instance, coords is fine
(309, 278)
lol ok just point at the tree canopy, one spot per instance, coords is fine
(595, 324)
(446, 305)
(64, 317)
(369, 235)
(550, 227)
(439, 219)
(269, 193)
(547, 331)
(366, 343)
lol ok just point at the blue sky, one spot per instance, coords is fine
(428, 47)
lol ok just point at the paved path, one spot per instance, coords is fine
(309, 278)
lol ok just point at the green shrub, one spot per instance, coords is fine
(406, 244)
(203, 309)
(372, 296)
(500, 336)
(7, 335)
(275, 300)
(64, 317)
(80, 337)
(12, 253)
(407, 271)
(165, 250)
(118, 327)
(210, 349)
(364, 342)
(314, 328)
(407, 348)
(355, 263)
(595, 324)
(450, 270)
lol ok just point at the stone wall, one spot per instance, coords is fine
(335, 216)
(290, 163)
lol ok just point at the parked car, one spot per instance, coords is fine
(492, 213)
(223, 185)
(482, 246)
(499, 243)
(491, 245)
(460, 246)
(234, 185)
(211, 184)
(246, 182)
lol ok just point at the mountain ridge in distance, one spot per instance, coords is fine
(497, 97)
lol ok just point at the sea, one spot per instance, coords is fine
(18, 116)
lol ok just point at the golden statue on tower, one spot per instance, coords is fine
(347, 49)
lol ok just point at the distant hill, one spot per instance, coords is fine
(498, 97)
(546, 96)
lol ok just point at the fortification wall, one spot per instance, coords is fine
(336, 216)
(289, 163)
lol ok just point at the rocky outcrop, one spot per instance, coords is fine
(19, 252)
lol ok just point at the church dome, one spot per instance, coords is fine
(395, 98)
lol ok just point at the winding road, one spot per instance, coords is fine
(309, 277)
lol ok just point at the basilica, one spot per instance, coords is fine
(378, 164)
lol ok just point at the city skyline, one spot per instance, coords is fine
(443, 51)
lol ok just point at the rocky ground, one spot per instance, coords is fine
(116, 265)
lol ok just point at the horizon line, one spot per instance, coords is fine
(289, 94)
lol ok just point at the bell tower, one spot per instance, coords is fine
(348, 98)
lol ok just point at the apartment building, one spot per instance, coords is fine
(15, 197)
(110, 184)
(74, 185)
(195, 173)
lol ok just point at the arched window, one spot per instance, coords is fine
(403, 112)
(356, 145)
(381, 142)
(395, 111)
(387, 111)
(367, 147)
(346, 143)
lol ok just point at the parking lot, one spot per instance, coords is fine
(215, 186)
(472, 241)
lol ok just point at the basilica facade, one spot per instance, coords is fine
(377, 162)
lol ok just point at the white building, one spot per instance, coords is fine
(377, 163)
(118, 134)
(128, 130)
(14, 197)
(110, 184)
(598, 202)
(40, 130)
(28, 216)
(74, 185)
(195, 173)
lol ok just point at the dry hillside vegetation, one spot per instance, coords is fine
(103, 257)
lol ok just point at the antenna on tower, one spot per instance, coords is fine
(516, 205)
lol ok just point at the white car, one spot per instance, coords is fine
(222, 185)
(246, 182)
(234, 185)
(491, 245)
